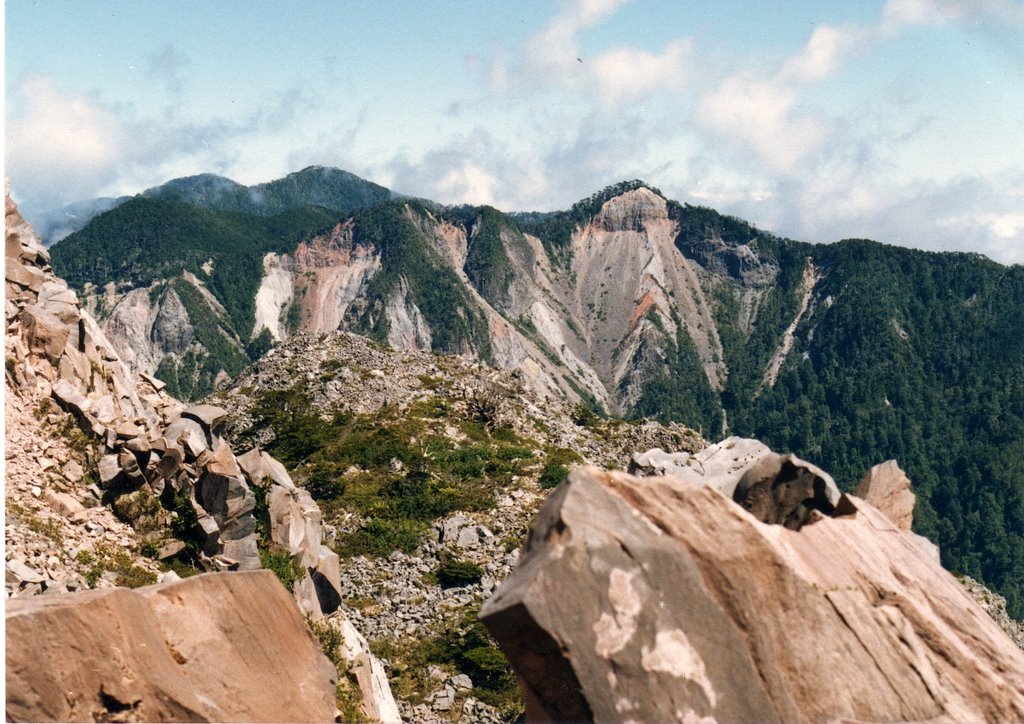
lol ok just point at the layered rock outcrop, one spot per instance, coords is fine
(220, 647)
(662, 599)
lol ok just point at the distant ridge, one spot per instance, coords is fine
(331, 188)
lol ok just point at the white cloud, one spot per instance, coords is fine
(65, 147)
(624, 74)
(899, 14)
(763, 112)
(761, 115)
(621, 74)
(821, 56)
(62, 141)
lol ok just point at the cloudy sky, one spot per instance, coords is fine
(898, 120)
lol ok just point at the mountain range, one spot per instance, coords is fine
(629, 302)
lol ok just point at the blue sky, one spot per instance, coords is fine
(899, 120)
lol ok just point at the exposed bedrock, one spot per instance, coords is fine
(661, 599)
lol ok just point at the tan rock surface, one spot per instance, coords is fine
(887, 488)
(653, 599)
(218, 647)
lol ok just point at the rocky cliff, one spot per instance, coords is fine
(687, 598)
(87, 437)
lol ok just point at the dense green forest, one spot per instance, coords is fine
(330, 188)
(145, 241)
(918, 357)
(408, 262)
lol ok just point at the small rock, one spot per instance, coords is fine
(73, 471)
(22, 573)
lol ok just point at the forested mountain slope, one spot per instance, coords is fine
(845, 353)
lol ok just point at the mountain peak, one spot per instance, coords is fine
(594, 202)
(632, 209)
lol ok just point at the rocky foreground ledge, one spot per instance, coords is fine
(744, 587)
(190, 650)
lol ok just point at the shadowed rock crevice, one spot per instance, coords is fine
(786, 491)
(543, 667)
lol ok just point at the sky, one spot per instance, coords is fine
(896, 120)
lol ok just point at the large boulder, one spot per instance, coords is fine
(661, 600)
(217, 647)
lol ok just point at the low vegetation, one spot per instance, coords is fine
(107, 559)
(396, 469)
(462, 646)
(347, 694)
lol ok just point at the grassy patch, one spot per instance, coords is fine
(347, 694)
(393, 468)
(456, 572)
(286, 569)
(106, 559)
(464, 646)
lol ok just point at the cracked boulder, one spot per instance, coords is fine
(658, 599)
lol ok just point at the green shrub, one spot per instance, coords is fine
(456, 572)
(556, 467)
(185, 525)
(106, 559)
(584, 416)
(347, 696)
(286, 569)
(381, 536)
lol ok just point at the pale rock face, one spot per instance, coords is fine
(172, 330)
(273, 297)
(658, 599)
(628, 273)
(407, 329)
(548, 326)
(810, 278)
(632, 211)
(330, 272)
(887, 488)
(144, 333)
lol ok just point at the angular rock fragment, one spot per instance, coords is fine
(720, 465)
(109, 470)
(656, 462)
(258, 466)
(888, 488)
(785, 490)
(652, 599)
(189, 434)
(211, 417)
(45, 333)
